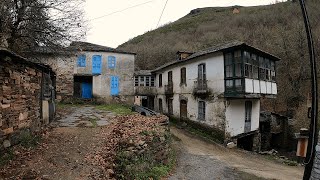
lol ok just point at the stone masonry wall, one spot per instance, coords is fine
(20, 90)
(315, 174)
(63, 66)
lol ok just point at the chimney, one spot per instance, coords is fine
(182, 55)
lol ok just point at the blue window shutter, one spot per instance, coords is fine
(111, 62)
(81, 61)
(96, 64)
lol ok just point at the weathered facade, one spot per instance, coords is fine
(219, 87)
(26, 95)
(87, 71)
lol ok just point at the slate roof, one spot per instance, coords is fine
(85, 46)
(19, 59)
(217, 48)
(142, 73)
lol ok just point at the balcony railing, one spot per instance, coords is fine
(168, 89)
(145, 90)
(201, 86)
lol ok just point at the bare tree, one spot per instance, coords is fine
(32, 23)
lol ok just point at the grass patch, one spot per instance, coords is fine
(29, 140)
(93, 122)
(118, 109)
(6, 157)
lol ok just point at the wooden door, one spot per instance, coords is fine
(183, 109)
(114, 86)
(96, 64)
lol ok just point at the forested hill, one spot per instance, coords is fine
(276, 28)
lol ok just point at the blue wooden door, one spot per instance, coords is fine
(86, 90)
(96, 64)
(114, 85)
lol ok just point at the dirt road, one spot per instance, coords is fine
(225, 160)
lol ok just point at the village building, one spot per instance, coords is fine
(27, 96)
(219, 87)
(90, 71)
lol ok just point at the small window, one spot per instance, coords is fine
(141, 81)
(183, 76)
(248, 70)
(201, 110)
(229, 83)
(255, 72)
(238, 69)
(170, 106)
(160, 80)
(238, 84)
(81, 61)
(262, 73)
(136, 81)
(111, 62)
(152, 81)
(246, 56)
(148, 81)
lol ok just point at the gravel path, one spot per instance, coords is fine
(202, 160)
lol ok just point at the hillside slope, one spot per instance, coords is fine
(277, 29)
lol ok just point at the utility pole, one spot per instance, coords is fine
(313, 130)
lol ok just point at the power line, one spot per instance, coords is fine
(121, 10)
(162, 13)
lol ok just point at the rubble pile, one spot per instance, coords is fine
(131, 140)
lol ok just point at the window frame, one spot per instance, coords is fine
(183, 76)
(201, 110)
(112, 62)
(82, 58)
(160, 80)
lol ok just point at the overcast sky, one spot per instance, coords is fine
(126, 19)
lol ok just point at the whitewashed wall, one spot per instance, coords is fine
(235, 116)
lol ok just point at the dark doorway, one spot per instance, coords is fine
(160, 106)
(245, 142)
(183, 109)
(170, 106)
(248, 114)
(82, 87)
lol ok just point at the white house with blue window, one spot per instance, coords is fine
(219, 87)
(103, 73)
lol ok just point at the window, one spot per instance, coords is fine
(229, 84)
(247, 64)
(228, 65)
(111, 62)
(148, 80)
(141, 81)
(170, 77)
(183, 76)
(202, 79)
(201, 110)
(248, 114)
(81, 61)
(160, 80)
(136, 81)
(238, 84)
(238, 63)
(152, 81)
(160, 106)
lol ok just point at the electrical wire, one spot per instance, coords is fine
(121, 10)
(162, 13)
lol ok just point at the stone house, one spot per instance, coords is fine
(27, 93)
(219, 88)
(87, 71)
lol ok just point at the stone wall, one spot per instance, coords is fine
(63, 66)
(20, 90)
